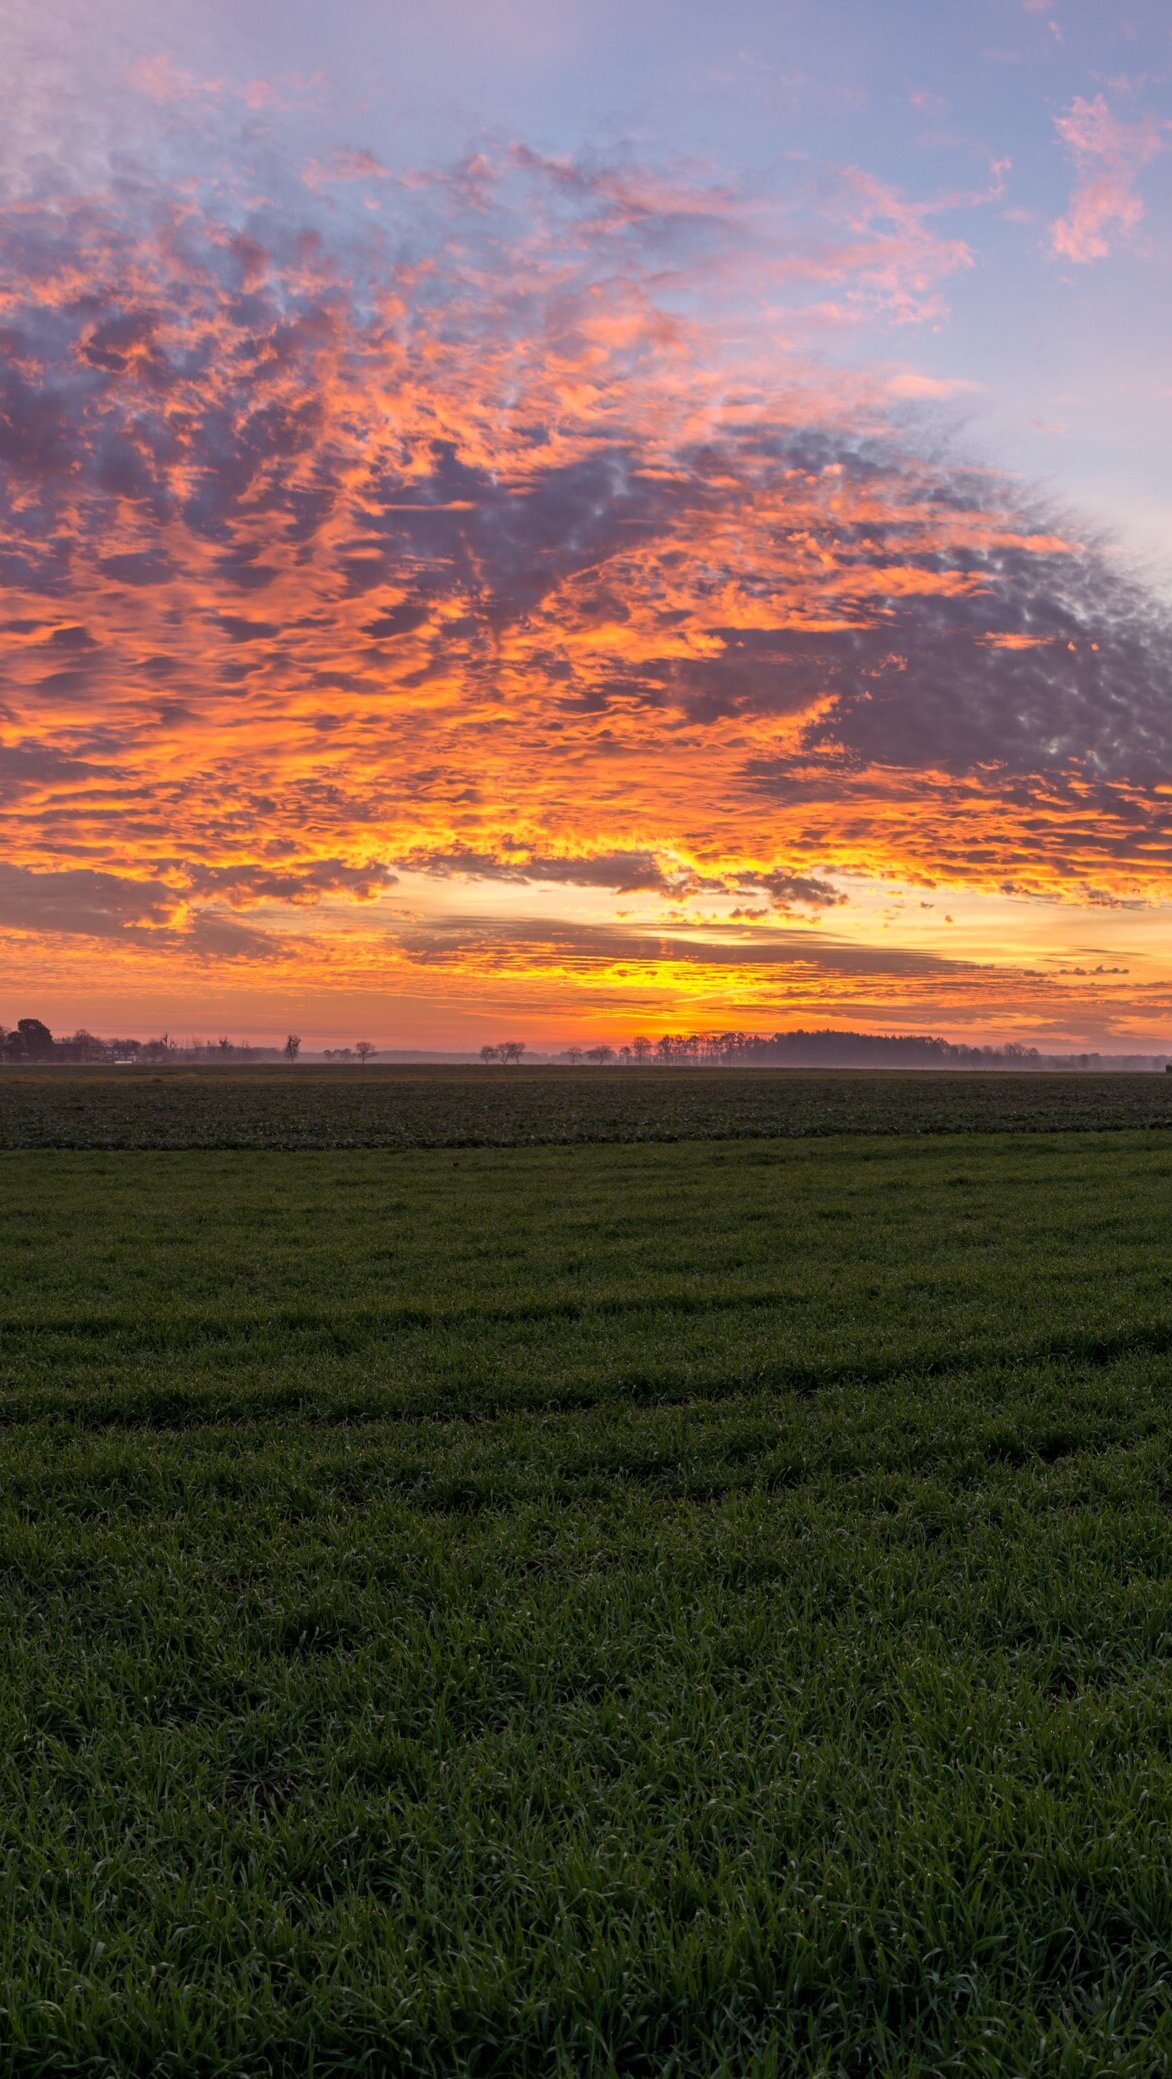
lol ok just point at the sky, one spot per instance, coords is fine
(560, 520)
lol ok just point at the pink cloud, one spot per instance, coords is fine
(893, 259)
(910, 384)
(344, 166)
(170, 85)
(1042, 7)
(163, 81)
(1108, 155)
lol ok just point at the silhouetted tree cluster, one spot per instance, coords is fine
(823, 1048)
(30, 1041)
(506, 1051)
(827, 1047)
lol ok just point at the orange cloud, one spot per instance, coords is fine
(474, 555)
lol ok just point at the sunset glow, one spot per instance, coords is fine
(600, 575)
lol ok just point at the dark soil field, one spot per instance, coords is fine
(682, 1610)
(390, 1107)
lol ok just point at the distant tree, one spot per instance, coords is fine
(665, 1047)
(625, 1055)
(641, 1049)
(487, 1054)
(36, 1040)
(82, 1046)
(293, 1046)
(225, 1044)
(730, 1046)
(599, 1054)
(573, 1056)
(511, 1050)
(364, 1050)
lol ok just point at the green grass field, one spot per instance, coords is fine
(697, 1609)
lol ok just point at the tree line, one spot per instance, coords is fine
(828, 1047)
(30, 1040)
(823, 1048)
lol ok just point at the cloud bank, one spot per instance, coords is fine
(458, 535)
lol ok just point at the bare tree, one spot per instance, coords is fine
(511, 1050)
(600, 1054)
(641, 1049)
(293, 1046)
(364, 1050)
(573, 1056)
(487, 1054)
